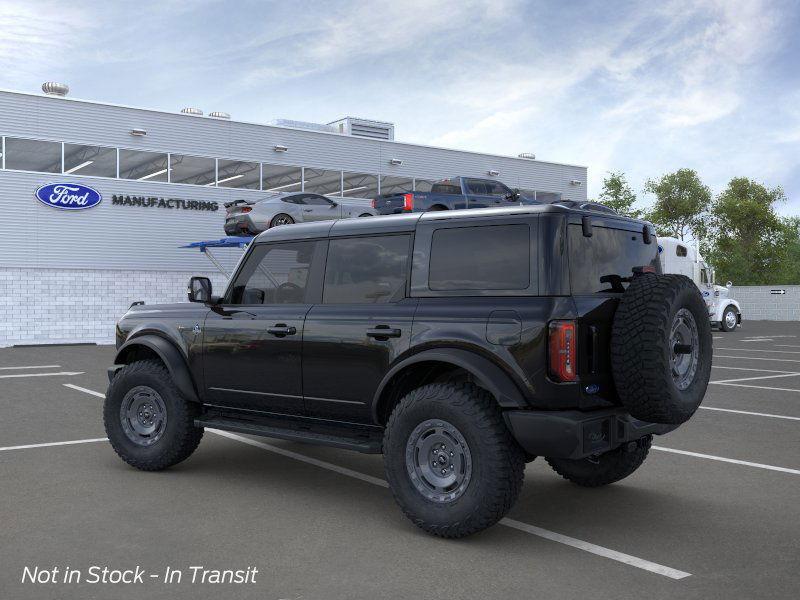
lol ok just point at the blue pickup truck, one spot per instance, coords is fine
(450, 194)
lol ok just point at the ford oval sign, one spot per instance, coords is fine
(68, 196)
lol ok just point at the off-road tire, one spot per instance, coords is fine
(605, 468)
(723, 325)
(180, 437)
(641, 349)
(498, 463)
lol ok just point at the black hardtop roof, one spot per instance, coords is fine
(406, 223)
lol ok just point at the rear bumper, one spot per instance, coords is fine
(575, 434)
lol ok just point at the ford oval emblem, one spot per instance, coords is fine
(68, 196)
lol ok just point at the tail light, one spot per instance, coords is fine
(408, 202)
(561, 347)
(373, 202)
(246, 209)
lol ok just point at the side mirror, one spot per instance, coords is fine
(334, 204)
(729, 285)
(199, 289)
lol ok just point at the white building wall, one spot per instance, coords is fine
(759, 303)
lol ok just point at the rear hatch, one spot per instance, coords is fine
(601, 265)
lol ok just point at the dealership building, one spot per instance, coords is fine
(161, 179)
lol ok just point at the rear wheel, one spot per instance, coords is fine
(605, 468)
(149, 423)
(729, 319)
(452, 464)
(281, 219)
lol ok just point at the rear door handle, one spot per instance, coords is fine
(281, 330)
(383, 332)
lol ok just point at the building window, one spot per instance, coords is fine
(321, 181)
(368, 270)
(489, 267)
(194, 170)
(396, 185)
(96, 161)
(424, 185)
(280, 178)
(144, 166)
(33, 155)
(237, 174)
(360, 185)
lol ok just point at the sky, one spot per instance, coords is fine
(639, 87)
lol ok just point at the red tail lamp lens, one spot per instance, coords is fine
(562, 351)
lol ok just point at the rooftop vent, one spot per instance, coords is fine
(192, 111)
(527, 155)
(377, 130)
(303, 125)
(219, 115)
(51, 88)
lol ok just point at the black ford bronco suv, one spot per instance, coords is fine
(459, 344)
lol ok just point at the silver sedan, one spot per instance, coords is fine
(249, 217)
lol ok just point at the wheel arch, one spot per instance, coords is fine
(154, 346)
(425, 367)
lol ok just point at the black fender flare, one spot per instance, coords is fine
(169, 354)
(496, 381)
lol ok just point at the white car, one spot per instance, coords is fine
(680, 258)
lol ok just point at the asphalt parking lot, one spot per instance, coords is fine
(713, 513)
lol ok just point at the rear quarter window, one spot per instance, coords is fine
(480, 258)
(607, 253)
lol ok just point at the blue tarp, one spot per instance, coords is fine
(226, 242)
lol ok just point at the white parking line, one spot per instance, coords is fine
(520, 526)
(48, 444)
(32, 367)
(759, 387)
(747, 412)
(728, 460)
(83, 389)
(67, 373)
(758, 350)
(746, 369)
(758, 358)
(754, 378)
(786, 346)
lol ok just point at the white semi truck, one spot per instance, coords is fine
(679, 257)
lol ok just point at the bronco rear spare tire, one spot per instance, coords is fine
(661, 348)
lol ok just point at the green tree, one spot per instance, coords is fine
(750, 243)
(617, 194)
(681, 204)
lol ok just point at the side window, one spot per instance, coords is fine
(274, 274)
(316, 200)
(442, 187)
(366, 270)
(478, 187)
(298, 199)
(497, 189)
(681, 250)
(495, 257)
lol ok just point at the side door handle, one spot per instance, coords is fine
(308, 210)
(282, 330)
(383, 332)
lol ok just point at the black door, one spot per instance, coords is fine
(361, 326)
(253, 340)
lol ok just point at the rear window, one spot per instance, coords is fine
(493, 257)
(608, 253)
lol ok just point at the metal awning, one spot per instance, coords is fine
(226, 242)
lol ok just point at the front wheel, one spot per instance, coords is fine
(729, 319)
(149, 423)
(605, 468)
(451, 462)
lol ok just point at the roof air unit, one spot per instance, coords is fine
(376, 130)
(219, 115)
(192, 111)
(527, 155)
(51, 88)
